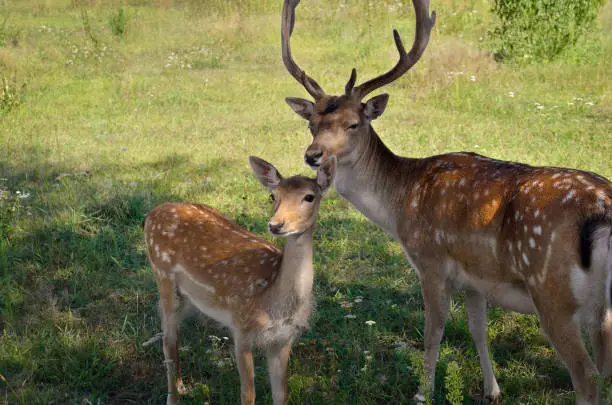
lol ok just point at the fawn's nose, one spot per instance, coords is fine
(276, 229)
(313, 158)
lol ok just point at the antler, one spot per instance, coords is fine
(311, 86)
(424, 24)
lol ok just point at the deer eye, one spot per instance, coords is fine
(272, 197)
(353, 126)
(309, 198)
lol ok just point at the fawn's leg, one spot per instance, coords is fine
(244, 359)
(169, 306)
(278, 360)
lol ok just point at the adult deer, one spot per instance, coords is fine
(530, 239)
(263, 295)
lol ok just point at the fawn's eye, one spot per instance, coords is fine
(353, 126)
(272, 197)
(309, 198)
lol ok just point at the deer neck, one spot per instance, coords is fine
(296, 272)
(368, 179)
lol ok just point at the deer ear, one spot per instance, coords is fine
(303, 108)
(375, 106)
(265, 172)
(325, 174)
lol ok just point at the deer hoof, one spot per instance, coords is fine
(172, 399)
(419, 398)
(492, 399)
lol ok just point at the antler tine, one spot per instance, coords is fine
(287, 23)
(424, 24)
(349, 85)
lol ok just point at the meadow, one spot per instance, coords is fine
(109, 108)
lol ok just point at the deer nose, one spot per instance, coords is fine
(275, 229)
(313, 158)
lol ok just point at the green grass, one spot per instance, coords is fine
(107, 126)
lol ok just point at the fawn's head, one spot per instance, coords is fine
(340, 124)
(296, 199)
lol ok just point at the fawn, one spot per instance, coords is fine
(262, 294)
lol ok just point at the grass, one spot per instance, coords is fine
(102, 127)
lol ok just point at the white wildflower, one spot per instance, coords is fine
(370, 323)
(350, 316)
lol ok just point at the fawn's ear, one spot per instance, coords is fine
(303, 108)
(265, 172)
(375, 106)
(325, 174)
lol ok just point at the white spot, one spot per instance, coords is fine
(525, 259)
(165, 257)
(536, 213)
(537, 230)
(532, 243)
(438, 236)
(569, 196)
(542, 275)
(414, 203)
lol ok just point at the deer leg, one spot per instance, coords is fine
(600, 331)
(169, 306)
(436, 298)
(278, 360)
(476, 307)
(563, 330)
(244, 359)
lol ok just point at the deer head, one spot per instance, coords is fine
(296, 199)
(341, 124)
